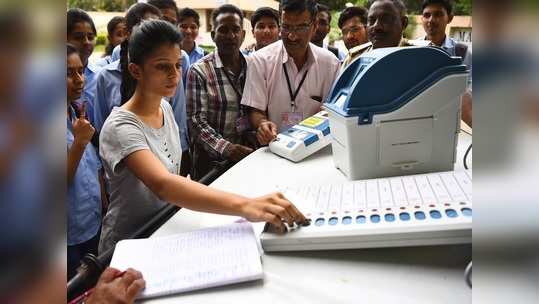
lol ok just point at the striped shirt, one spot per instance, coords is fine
(213, 108)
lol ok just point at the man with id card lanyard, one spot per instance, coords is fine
(288, 80)
(217, 124)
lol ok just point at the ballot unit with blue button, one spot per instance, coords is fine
(414, 210)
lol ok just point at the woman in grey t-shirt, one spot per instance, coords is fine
(140, 147)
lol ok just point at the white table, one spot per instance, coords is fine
(392, 275)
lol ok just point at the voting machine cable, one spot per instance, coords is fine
(468, 275)
(466, 156)
(92, 266)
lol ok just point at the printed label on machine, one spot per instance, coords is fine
(303, 139)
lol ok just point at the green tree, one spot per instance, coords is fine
(101, 5)
(87, 5)
(462, 7)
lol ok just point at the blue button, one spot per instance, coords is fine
(319, 222)
(419, 215)
(333, 221)
(467, 212)
(435, 214)
(389, 217)
(291, 144)
(346, 220)
(375, 218)
(360, 219)
(451, 213)
(404, 216)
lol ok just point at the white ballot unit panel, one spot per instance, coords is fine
(427, 274)
(411, 128)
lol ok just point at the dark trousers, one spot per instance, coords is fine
(75, 254)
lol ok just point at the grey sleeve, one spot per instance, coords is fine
(121, 137)
(468, 62)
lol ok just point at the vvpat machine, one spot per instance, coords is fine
(396, 111)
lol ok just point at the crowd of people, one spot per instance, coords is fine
(150, 118)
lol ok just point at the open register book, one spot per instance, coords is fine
(194, 260)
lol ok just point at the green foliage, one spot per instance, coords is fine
(334, 32)
(112, 5)
(207, 48)
(87, 5)
(462, 7)
(99, 49)
(101, 38)
(101, 5)
(410, 29)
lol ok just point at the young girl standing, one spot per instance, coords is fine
(141, 151)
(84, 192)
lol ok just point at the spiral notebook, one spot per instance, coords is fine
(194, 260)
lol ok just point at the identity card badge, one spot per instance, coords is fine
(289, 119)
(242, 124)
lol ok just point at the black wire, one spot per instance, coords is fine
(468, 275)
(466, 156)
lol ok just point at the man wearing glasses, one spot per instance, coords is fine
(386, 22)
(353, 25)
(287, 81)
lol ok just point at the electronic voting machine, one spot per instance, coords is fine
(396, 111)
(303, 139)
(414, 210)
(394, 115)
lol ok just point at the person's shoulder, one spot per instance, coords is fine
(93, 67)
(415, 42)
(110, 73)
(113, 66)
(184, 55)
(323, 55)
(333, 50)
(103, 61)
(360, 49)
(166, 105)
(200, 51)
(204, 63)
(269, 51)
(119, 116)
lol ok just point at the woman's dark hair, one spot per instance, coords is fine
(111, 26)
(264, 12)
(71, 49)
(76, 15)
(134, 16)
(145, 39)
